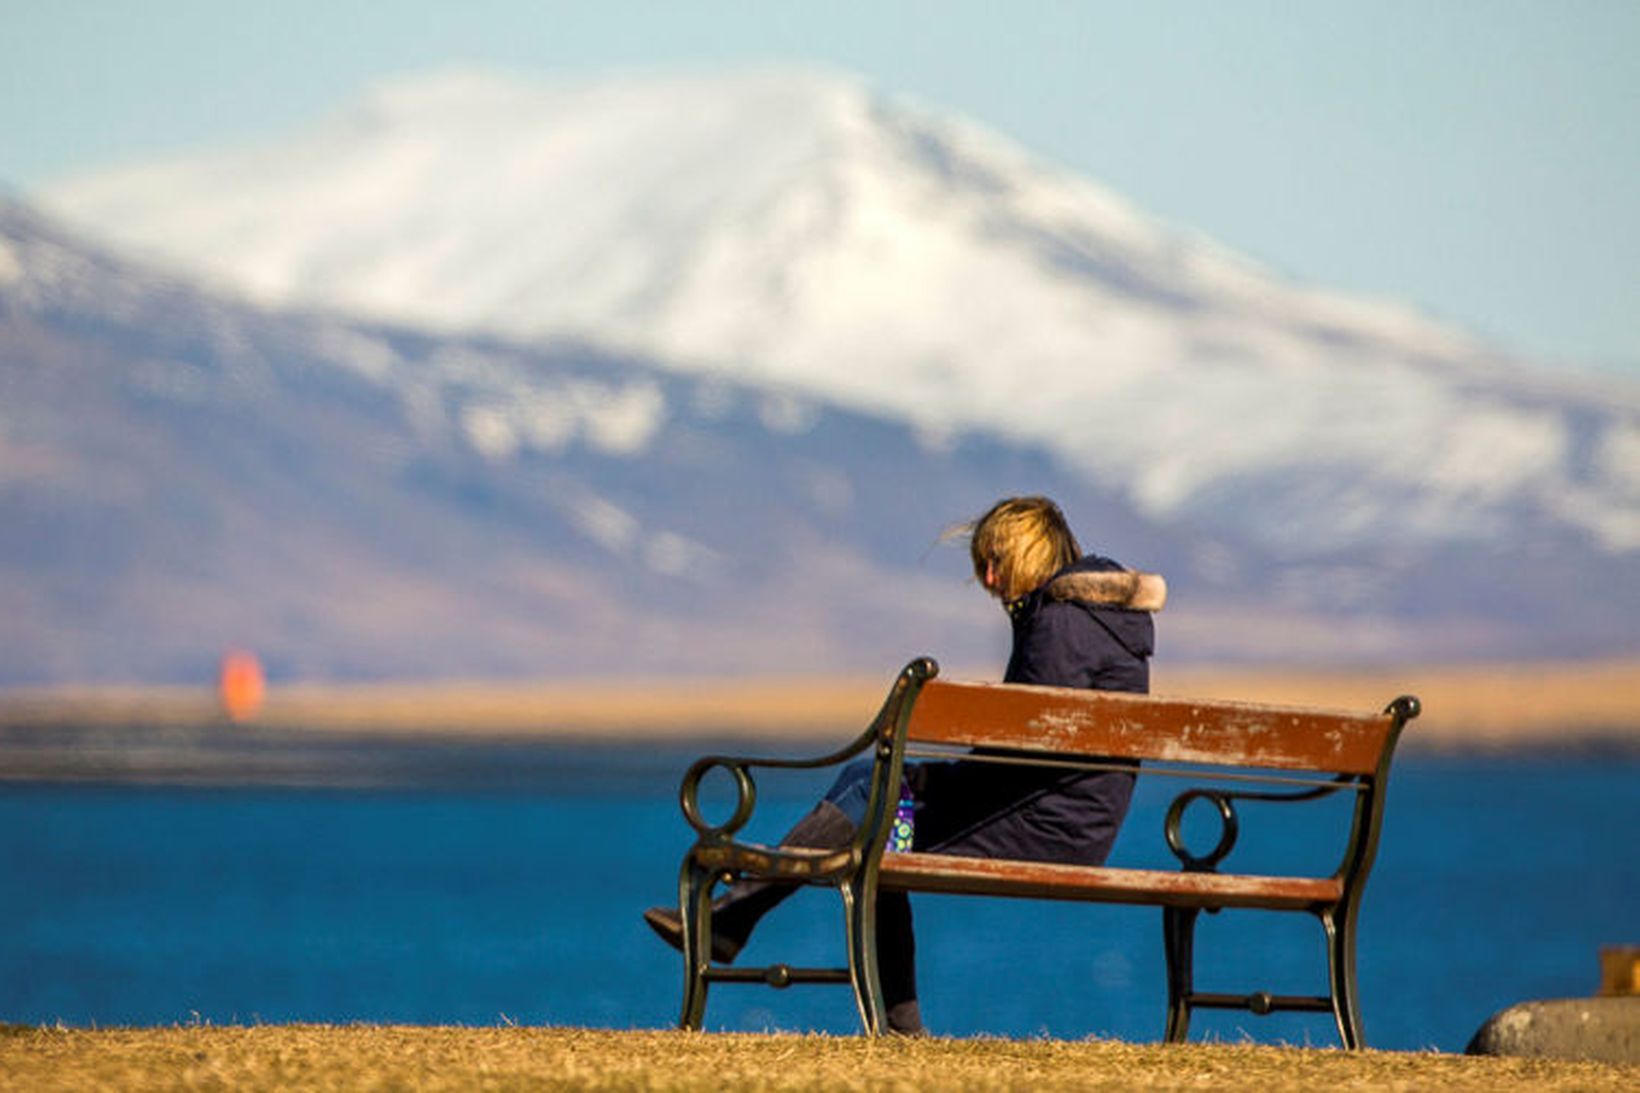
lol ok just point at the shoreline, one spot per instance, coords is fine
(1576, 705)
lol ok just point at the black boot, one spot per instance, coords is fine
(905, 1019)
(897, 964)
(738, 910)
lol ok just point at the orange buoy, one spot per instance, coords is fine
(241, 685)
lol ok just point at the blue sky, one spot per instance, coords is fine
(1477, 158)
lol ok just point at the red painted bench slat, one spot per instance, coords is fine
(1062, 721)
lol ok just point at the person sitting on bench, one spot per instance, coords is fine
(1078, 621)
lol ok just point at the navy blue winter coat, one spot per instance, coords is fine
(1087, 626)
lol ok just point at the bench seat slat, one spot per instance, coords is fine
(944, 873)
(1063, 721)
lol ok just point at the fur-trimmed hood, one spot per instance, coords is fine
(1090, 625)
(1125, 588)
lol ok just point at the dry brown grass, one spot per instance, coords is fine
(371, 1057)
(1491, 706)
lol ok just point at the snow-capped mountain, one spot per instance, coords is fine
(182, 473)
(689, 374)
(797, 228)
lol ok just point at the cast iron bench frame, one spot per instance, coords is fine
(1284, 753)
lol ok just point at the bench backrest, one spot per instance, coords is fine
(1105, 724)
(1054, 723)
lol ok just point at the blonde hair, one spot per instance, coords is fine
(1024, 540)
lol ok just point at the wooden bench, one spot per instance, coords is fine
(1249, 752)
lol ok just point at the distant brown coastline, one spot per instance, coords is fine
(1540, 705)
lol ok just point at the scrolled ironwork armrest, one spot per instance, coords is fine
(1224, 800)
(889, 721)
(745, 786)
(1227, 832)
(745, 796)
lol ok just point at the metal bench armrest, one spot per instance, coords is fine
(740, 768)
(886, 731)
(1363, 833)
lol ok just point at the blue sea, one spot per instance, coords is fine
(504, 885)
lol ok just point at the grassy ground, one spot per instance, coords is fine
(371, 1057)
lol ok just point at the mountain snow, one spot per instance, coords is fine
(797, 229)
(180, 472)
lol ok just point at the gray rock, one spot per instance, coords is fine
(1602, 1029)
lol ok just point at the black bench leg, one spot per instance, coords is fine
(695, 904)
(1339, 925)
(1178, 940)
(860, 932)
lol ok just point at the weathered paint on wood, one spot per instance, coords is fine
(1062, 721)
(945, 873)
(1046, 724)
